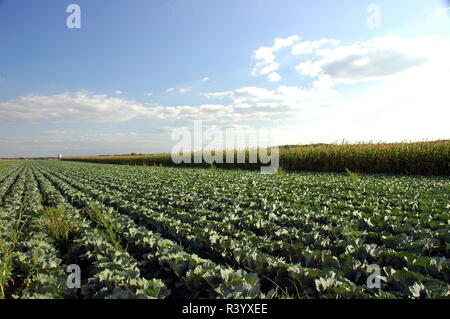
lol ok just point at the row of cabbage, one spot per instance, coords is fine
(130, 267)
(303, 235)
(187, 233)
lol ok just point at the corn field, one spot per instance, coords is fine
(417, 158)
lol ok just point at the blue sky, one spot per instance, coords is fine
(137, 69)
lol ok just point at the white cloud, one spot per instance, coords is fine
(442, 11)
(269, 68)
(309, 68)
(274, 77)
(265, 54)
(283, 94)
(179, 90)
(184, 90)
(54, 132)
(266, 58)
(374, 59)
(86, 107)
(148, 94)
(244, 94)
(82, 106)
(295, 95)
(306, 47)
(324, 82)
(205, 79)
(280, 43)
(119, 92)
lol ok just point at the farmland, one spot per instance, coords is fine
(161, 232)
(415, 158)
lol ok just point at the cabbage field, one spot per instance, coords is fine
(158, 232)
